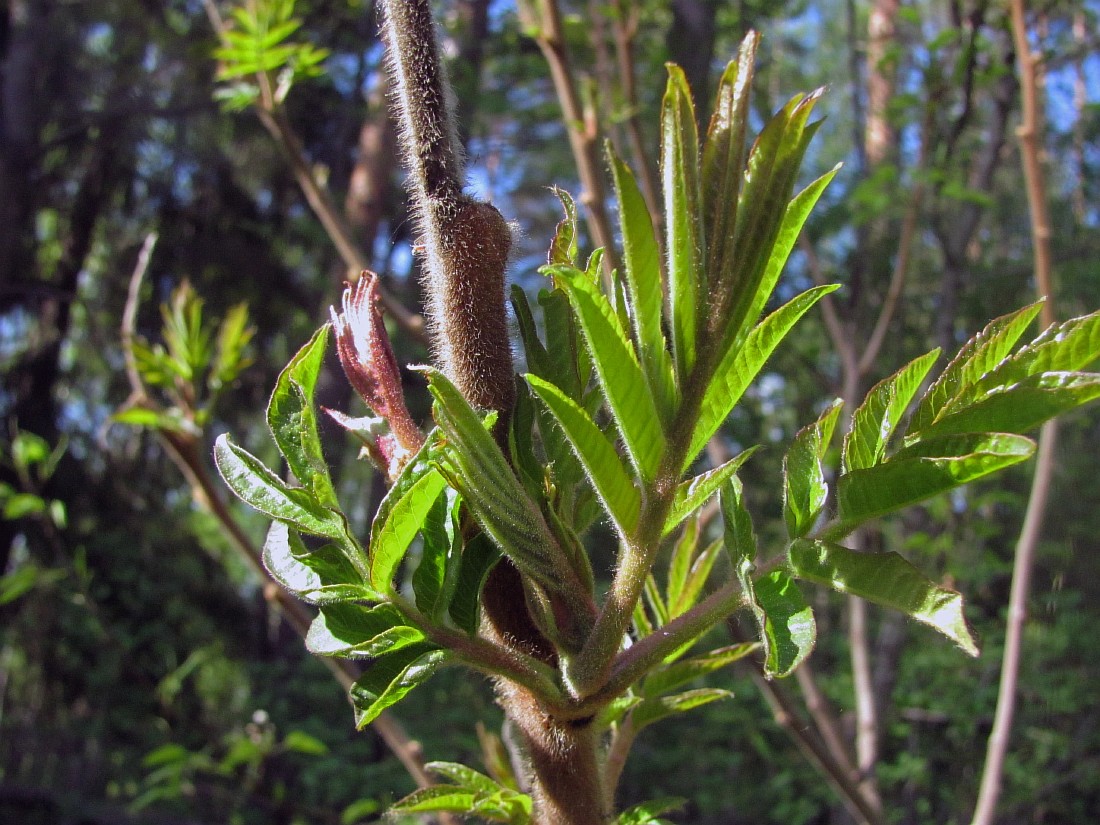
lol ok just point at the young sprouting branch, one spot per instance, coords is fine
(491, 658)
(1027, 63)
(186, 452)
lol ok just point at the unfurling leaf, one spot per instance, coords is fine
(260, 488)
(293, 420)
(403, 511)
(352, 631)
(597, 455)
(804, 488)
(321, 576)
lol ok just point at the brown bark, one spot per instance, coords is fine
(879, 137)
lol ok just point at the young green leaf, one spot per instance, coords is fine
(229, 361)
(684, 551)
(886, 579)
(351, 631)
(653, 710)
(692, 494)
(683, 204)
(875, 420)
(436, 576)
(794, 218)
(648, 813)
(785, 622)
(688, 670)
(1018, 407)
(738, 535)
(293, 420)
(321, 576)
(403, 511)
(643, 280)
(695, 580)
(762, 210)
(478, 557)
(1066, 347)
(740, 366)
(921, 471)
(979, 355)
(390, 677)
(563, 249)
(804, 488)
(597, 455)
(475, 466)
(624, 386)
(260, 488)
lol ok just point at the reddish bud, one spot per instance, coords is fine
(369, 363)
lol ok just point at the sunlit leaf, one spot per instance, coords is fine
(1019, 407)
(260, 488)
(390, 677)
(293, 419)
(403, 511)
(886, 579)
(916, 473)
(321, 576)
(683, 202)
(641, 258)
(742, 364)
(653, 710)
(692, 494)
(621, 377)
(978, 356)
(352, 631)
(723, 155)
(685, 671)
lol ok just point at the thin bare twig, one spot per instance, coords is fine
(546, 24)
(1027, 63)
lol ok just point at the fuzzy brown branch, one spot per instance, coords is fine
(1027, 63)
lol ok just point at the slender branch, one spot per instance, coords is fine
(625, 28)
(1027, 63)
(817, 754)
(824, 719)
(583, 140)
(318, 196)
